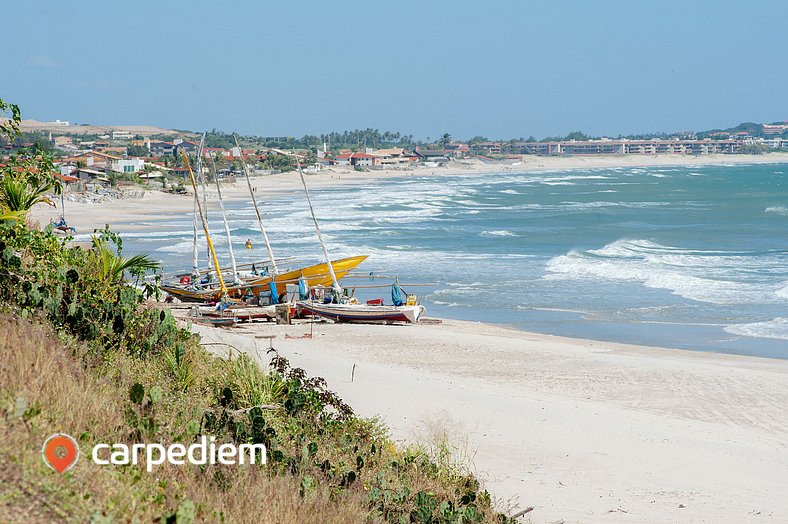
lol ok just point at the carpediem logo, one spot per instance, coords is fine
(61, 451)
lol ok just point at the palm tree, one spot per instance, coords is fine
(11, 215)
(445, 140)
(20, 193)
(112, 267)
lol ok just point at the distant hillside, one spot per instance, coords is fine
(63, 128)
(751, 128)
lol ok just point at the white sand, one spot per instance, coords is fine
(584, 431)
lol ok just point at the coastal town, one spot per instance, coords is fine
(97, 157)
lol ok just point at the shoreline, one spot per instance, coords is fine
(84, 216)
(150, 213)
(583, 430)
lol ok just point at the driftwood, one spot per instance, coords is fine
(523, 512)
(247, 410)
(270, 407)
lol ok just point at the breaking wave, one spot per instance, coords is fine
(714, 277)
(777, 210)
(775, 328)
(498, 233)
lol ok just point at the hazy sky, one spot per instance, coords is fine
(497, 68)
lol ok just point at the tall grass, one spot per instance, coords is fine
(333, 471)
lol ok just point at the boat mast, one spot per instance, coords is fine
(256, 209)
(201, 175)
(205, 229)
(195, 255)
(226, 225)
(335, 284)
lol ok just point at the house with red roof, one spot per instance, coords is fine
(355, 159)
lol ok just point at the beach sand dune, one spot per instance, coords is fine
(584, 431)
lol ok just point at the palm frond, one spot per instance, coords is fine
(112, 267)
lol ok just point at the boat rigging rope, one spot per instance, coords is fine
(195, 255)
(226, 225)
(201, 175)
(256, 209)
(335, 284)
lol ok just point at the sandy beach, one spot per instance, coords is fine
(583, 431)
(126, 214)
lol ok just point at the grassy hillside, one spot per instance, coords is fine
(84, 353)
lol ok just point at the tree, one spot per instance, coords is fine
(27, 178)
(280, 162)
(9, 126)
(445, 140)
(137, 151)
(111, 267)
(11, 215)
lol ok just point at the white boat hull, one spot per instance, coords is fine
(364, 314)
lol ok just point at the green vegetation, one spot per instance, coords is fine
(85, 353)
(335, 140)
(26, 180)
(10, 117)
(137, 151)
(574, 135)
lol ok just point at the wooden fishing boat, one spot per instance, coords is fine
(215, 322)
(239, 313)
(363, 313)
(314, 275)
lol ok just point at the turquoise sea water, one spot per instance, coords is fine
(684, 257)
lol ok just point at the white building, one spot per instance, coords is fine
(128, 165)
(121, 135)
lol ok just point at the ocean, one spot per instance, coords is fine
(679, 257)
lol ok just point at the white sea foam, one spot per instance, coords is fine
(704, 276)
(775, 328)
(498, 233)
(182, 247)
(451, 304)
(777, 210)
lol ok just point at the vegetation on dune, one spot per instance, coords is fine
(84, 352)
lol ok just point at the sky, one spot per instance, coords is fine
(499, 69)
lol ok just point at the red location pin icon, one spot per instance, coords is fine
(60, 452)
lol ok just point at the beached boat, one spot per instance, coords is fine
(315, 275)
(193, 288)
(215, 322)
(363, 313)
(61, 225)
(238, 313)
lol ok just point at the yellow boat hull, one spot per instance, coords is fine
(315, 275)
